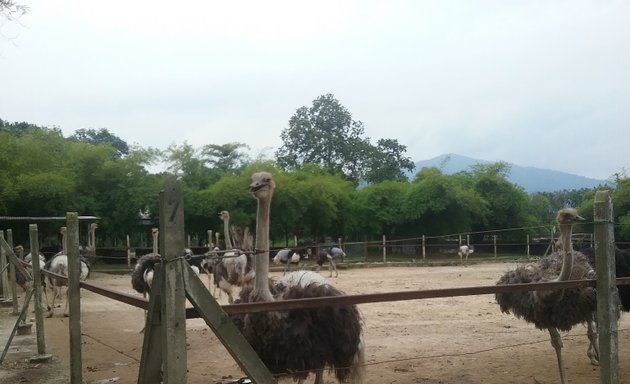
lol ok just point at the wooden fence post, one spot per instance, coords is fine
(14, 298)
(74, 296)
(527, 248)
(37, 290)
(424, 249)
(384, 249)
(210, 243)
(173, 330)
(607, 296)
(494, 242)
(4, 285)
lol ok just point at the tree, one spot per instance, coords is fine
(324, 134)
(226, 157)
(381, 207)
(387, 162)
(506, 201)
(11, 10)
(101, 137)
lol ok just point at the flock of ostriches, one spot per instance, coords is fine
(302, 341)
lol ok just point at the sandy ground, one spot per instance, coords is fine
(457, 340)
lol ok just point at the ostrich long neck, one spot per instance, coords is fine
(261, 281)
(226, 231)
(566, 231)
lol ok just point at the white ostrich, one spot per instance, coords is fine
(298, 341)
(287, 256)
(59, 265)
(464, 252)
(20, 279)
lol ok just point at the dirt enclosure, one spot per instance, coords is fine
(458, 340)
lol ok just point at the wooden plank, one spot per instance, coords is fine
(4, 276)
(173, 292)
(224, 329)
(37, 287)
(74, 297)
(607, 295)
(29, 294)
(151, 360)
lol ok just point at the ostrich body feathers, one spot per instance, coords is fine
(575, 306)
(316, 337)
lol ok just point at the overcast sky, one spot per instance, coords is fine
(535, 83)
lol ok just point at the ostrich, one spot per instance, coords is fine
(330, 255)
(287, 256)
(298, 341)
(235, 267)
(225, 216)
(622, 269)
(555, 309)
(463, 253)
(142, 274)
(20, 279)
(59, 265)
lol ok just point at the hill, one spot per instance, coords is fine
(530, 178)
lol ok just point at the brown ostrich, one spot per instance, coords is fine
(298, 341)
(560, 309)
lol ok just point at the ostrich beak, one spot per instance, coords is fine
(579, 218)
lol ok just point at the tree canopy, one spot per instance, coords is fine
(325, 134)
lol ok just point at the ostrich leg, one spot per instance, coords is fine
(556, 342)
(593, 347)
(333, 266)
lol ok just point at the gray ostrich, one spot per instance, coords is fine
(555, 309)
(298, 341)
(142, 274)
(330, 255)
(287, 256)
(234, 269)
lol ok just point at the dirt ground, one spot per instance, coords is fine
(457, 340)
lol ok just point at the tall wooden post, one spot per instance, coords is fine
(424, 248)
(527, 240)
(384, 249)
(210, 243)
(607, 296)
(494, 242)
(4, 284)
(14, 298)
(74, 296)
(173, 292)
(37, 290)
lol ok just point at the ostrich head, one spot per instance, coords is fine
(224, 215)
(19, 250)
(568, 216)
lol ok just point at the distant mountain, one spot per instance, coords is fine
(530, 178)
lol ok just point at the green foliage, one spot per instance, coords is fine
(381, 207)
(44, 174)
(325, 134)
(101, 137)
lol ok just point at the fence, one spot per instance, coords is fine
(164, 344)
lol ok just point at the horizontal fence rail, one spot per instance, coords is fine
(366, 298)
